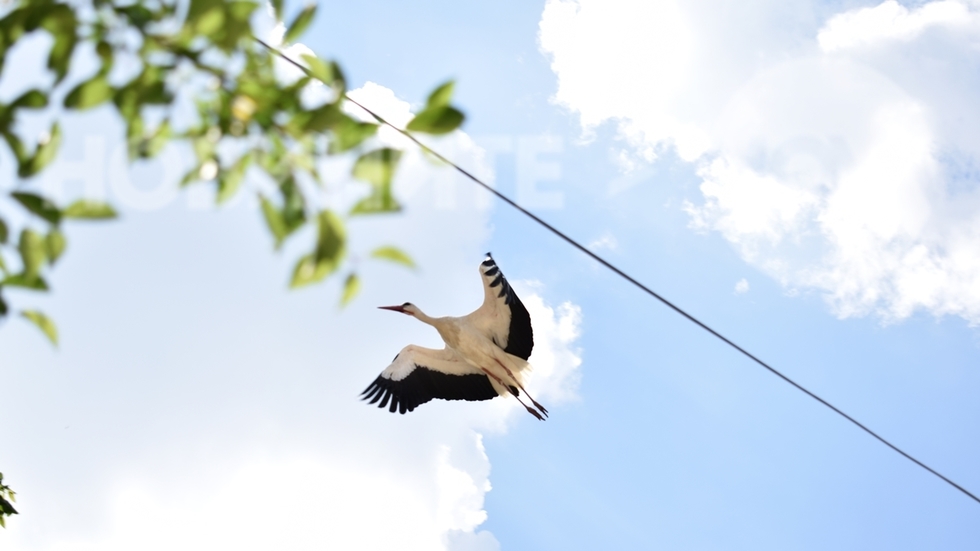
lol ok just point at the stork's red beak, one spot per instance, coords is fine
(393, 308)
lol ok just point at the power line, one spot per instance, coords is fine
(629, 278)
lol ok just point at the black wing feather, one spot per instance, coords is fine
(520, 336)
(424, 384)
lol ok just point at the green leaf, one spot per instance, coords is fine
(377, 167)
(329, 252)
(308, 271)
(294, 204)
(34, 283)
(45, 153)
(60, 56)
(16, 147)
(32, 252)
(89, 93)
(331, 238)
(138, 14)
(43, 323)
(299, 25)
(230, 180)
(324, 72)
(200, 7)
(4, 309)
(104, 51)
(38, 206)
(6, 508)
(155, 93)
(57, 16)
(55, 244)
(339, 81)
(83, 209)
(327, 72)
(61, 22)
(233, 25)
(393, 254)
(205, 16)
(204, 147)
(436, 120)
(191, 176)
(31, 99)
(438, 117)
(440, 96)
(210, 23)
(378, 202)
(322, 118)
(274, 220)
(351, 287)
(277, 9)
(348, 134)
(154, 145)
(134, 134)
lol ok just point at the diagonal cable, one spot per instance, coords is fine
(627, 277)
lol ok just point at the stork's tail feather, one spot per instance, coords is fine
(519, 365)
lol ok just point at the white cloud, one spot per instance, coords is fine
(335, 473)
(556, 359)
(648, 27)
(890, 21)
(296, 503)
(606, 241)
(837, 151)
(390, 483)
(742, 286)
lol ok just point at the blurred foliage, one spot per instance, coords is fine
(7, 496)
(204, 53)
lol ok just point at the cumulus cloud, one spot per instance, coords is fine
(382, 482)
(889, 21)
(837, 151)
(556, 358)
(334, 473)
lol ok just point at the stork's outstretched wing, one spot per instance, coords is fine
(418, 375)
(503, 316)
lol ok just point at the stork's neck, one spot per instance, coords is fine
(446, 326)
(425, 318)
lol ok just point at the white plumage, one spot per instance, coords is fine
(485, 355)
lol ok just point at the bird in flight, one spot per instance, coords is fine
(485, 355)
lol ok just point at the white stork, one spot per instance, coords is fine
(485, 355)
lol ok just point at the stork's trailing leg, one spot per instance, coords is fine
(519, 385)
(515, 393)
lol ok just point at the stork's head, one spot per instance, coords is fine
(407, 308)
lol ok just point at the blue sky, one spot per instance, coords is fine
(801, 147)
